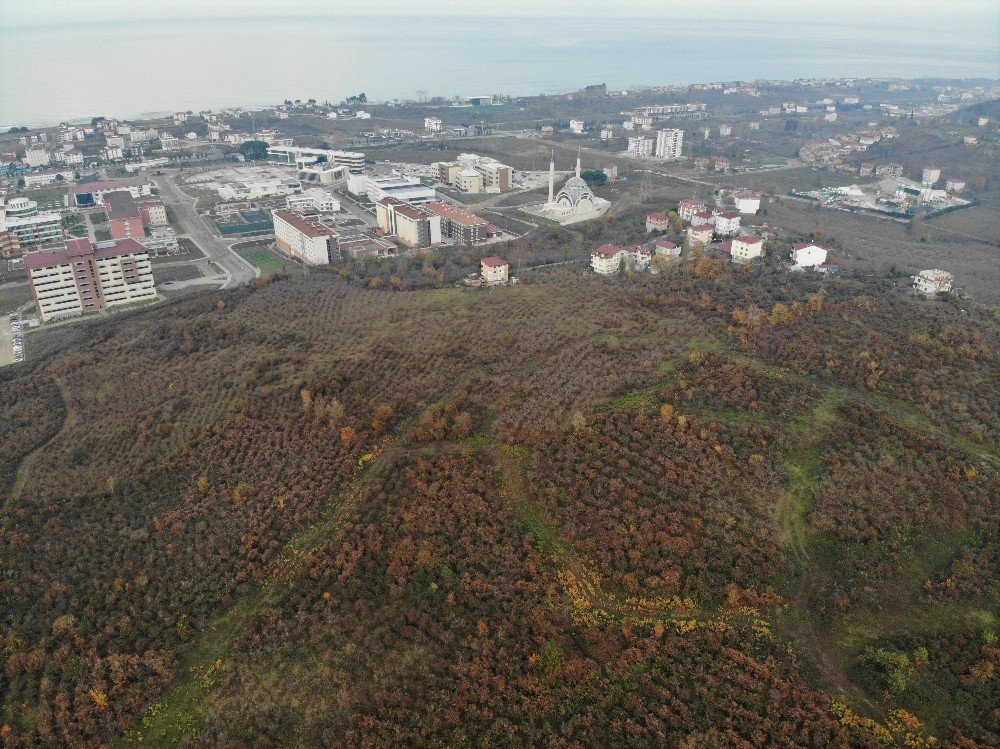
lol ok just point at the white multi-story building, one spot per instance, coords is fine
(746, 248)
(607, 259)
(302, 157)
(576, 127)
(413, 225)
(607, 132)
(725, 131)
(808, 255)
(669, 143)
(36, 157)
(84, 277)
(727, 223)
(494, 270)
(932, 282)
(640, 145)
(748, 202)
(313, 199)
(309, 241)
(432, 124)
(21, 218)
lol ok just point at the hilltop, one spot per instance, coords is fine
(710, 508)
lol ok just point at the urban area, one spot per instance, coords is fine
(104, 215)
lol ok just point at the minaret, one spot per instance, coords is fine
(578, 161)
(552, 179)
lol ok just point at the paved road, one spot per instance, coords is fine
(196, 228)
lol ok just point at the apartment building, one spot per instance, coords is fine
(727, 223)
(463, 226)
(640, 145)
(687, 209)
(303, 239)
(669, 143)
(494, 176)
(746, 248)
(414, 226)
(84, 277)
(432, 124)
(494, 270)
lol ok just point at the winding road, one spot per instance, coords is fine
(196, 228)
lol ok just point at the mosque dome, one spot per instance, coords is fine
(575, 192)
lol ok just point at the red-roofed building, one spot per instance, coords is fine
(700, 234)
(727, 223)
(310, 241)
(687, 209)
(607, 259)
(465, 226)
(666, 248)
(84, 277)
(657, 221)
(495, 270)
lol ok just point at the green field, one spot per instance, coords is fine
(269, 262)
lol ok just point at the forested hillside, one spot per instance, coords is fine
(709, 510)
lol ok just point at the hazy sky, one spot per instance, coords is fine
(76, 58)
(853, 12)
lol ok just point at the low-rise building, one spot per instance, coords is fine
(89, 194)
(408, 189)
(808, 255)
(725, 131)
(47, 177)
(494, 270)
(576, 127)
(727, 223)
(313, 199)
(700, 234)
(666, 248)
(687, 209)
(745, 248)
(265, 188)
(933, 282)
(85, 277)
(303, 239)
(36, 157)
(124, 218)
(657, 221)
(747, 203)
(607, 259)
(432, 124)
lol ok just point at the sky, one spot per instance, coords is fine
(62, 59)
(856, 12)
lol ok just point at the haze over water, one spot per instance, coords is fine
(54, 69)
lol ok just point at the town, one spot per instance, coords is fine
(818, 175)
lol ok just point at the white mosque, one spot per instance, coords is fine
(574, 202)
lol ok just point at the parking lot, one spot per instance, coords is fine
(11, 340)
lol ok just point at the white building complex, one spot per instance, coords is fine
(414, 225)
(408, 189)
(575, 201)
(84, 277)
(265, 188)
(20, 218)
(313, 199)
(300, 157)
(669, 143)
(303, 239)
(432, 124)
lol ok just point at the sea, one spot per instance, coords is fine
(53, 72)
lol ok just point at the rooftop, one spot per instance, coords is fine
(80, 248)
(494, 262)
(311, 229)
